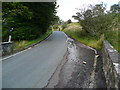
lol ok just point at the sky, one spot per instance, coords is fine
(67, 7)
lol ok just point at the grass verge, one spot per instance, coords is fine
(74, 30)
(20, 45)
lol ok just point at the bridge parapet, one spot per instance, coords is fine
(6, 47)
(111, 65)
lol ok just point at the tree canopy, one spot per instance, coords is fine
(27, 20)
(96, 20)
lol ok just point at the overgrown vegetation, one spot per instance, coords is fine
(27, 20)
(20, 45)
(96, 21)
(75, 31)
(60, 24)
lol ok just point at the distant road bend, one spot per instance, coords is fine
(34, 67)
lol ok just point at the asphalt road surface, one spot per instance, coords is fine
(34, 67)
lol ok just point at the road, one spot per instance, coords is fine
(79, 68)
(34, 67)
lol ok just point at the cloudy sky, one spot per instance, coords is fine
(67, 7)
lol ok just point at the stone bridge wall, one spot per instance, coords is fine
(111, 65)
(6, 47)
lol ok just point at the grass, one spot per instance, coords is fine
(114, 40)
(19, 45)
(75, 31)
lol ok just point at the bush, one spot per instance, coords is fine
(64, 25)
(26, 33)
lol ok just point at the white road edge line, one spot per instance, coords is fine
(15, 54)
(1, 59)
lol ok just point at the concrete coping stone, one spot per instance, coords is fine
(6, 43)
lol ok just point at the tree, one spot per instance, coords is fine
(69, 21)
(94, 20)
(97, 21)
(63, 25)
(13, 16)
(29, 19)
(115, 8)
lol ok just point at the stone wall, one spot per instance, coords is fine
(6, 47)
(111, 65)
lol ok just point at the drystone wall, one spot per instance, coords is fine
(111, 65)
